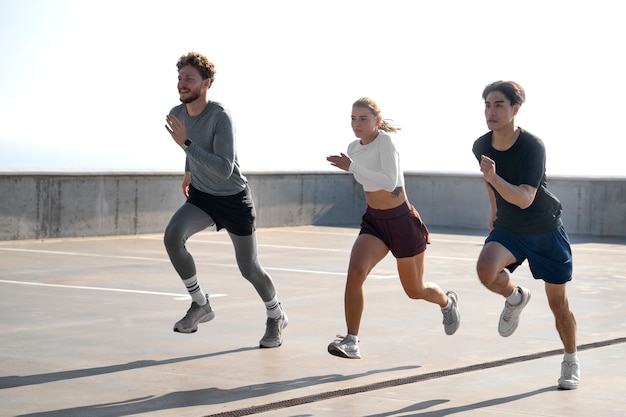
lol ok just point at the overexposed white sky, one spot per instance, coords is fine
(86, 85)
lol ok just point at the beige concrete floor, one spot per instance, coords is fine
(86, 330)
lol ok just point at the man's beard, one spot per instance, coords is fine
(194, 95)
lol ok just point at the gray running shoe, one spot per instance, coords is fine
(196, 314)
(509, 319)
(452, 317)
(570, 375)
(273, 336)
(345, 347)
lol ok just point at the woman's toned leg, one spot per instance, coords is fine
(367, 251)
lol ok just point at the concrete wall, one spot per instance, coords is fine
(43, 206)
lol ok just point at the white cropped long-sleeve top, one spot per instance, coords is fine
(376, 166)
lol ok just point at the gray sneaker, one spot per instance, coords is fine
(345, 347)
(196, 314)
(273, 336)
(570, 375)
(509, 319)
(452, 317)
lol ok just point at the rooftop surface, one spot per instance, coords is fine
(86, 330)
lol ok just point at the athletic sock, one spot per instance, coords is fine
(195, 291)
(515, 298)
(352, 337)
(570, 357)
(448, 306)
(274, 310)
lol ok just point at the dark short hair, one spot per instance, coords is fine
(199, 62)
(512, 90)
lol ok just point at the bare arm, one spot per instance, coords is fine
(492, 204)
(521, 195)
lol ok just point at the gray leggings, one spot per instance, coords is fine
(189, 220)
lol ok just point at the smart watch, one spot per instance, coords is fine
(187, 143)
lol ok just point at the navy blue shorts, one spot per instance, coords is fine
(400, 228)
(549, 254)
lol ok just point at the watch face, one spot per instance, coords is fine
(187, 142)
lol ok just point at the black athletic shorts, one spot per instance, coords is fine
(234, 213)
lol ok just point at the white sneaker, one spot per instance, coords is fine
(345, 347)
(452, 317)
(570, 375)
(509, 319)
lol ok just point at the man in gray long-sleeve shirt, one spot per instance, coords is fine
(217, 195)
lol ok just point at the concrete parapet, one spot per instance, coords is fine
(43, 206)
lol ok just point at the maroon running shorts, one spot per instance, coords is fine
(400, 228)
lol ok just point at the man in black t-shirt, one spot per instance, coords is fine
(525, 222)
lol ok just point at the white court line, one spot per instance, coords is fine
(140, 258)
(347, 250)
(81, 287)
(260, 245)
(478, 240)
(348, 231)
(612, 248)
(307, 271)
(93, 255)
(311, 271)
(577, 247)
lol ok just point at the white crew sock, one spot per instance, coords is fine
(274, 310)
(570, 357)
(515, 298)
(195, 291)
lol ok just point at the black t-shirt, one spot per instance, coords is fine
(522, 163)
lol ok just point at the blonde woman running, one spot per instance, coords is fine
(390, 223)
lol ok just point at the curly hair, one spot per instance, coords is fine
(386, 125)
(512, 90)
(199, 62)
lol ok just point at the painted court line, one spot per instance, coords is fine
(80, 287)
(233, 265)
(165, 260)
(93, 255)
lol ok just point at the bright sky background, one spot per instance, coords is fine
(86, 85)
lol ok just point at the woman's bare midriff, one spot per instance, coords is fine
(385, 200)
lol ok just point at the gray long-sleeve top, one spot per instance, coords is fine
(212, 156)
